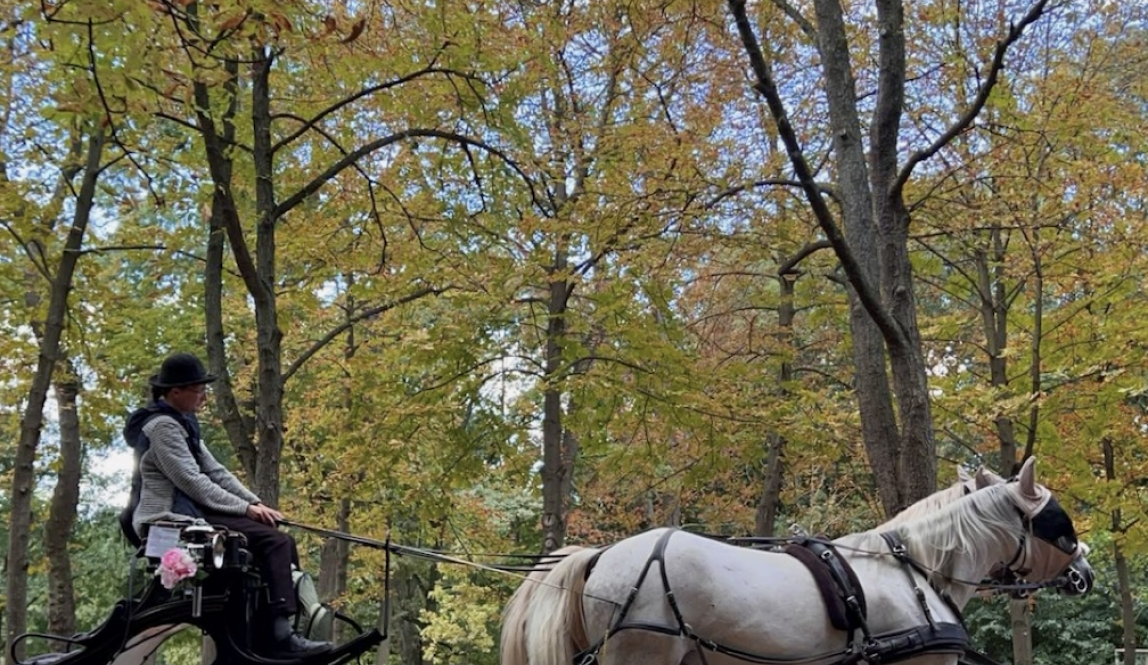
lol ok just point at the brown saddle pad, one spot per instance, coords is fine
(831, 592)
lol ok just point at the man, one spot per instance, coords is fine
(177, 479)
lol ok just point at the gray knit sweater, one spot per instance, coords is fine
(169, 464)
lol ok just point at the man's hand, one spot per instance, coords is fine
(265, 514)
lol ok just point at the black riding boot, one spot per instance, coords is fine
(287, 642)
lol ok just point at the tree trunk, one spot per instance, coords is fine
(768, 503)
(1127, 605)
(269, 398)
(770, 499)
(235, 423)
(874, 395)
(31, 423)
(336, 552)
(1022, 635)
(554, 469)
(261, 459)
(1021, 622)
(383, 652)
(65, 499)
(1123, 580)
(571, 447)
(872, 247)
(994, 311)
(61, 596)
(413, 596)
(333, 558)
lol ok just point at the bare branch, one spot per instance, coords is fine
(346, 101)
(366, 149)
(109, 249)
(797, 17)
(111, 123)
(790, 265)
(963, 123)
(196, 128)
(825, 189)
(36, 257)
(352, 320)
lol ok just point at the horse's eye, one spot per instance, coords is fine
(1066, 544)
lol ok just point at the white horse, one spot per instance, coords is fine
(512, 646)
(672, 598)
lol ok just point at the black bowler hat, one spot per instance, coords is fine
(179, 370)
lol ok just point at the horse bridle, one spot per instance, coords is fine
(1014, 572)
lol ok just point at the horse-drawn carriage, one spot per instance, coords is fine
(668, 597)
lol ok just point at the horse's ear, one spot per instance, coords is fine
(962, 475)
(986, 478)
(1027, 479)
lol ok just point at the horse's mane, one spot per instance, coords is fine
(925, 506)
(936, 539)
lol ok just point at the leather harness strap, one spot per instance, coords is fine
(908, 564)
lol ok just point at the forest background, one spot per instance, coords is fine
(496, 276)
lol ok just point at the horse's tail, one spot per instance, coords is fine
(512, 646)
(556, 629)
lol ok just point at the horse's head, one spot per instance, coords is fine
(1050, 549)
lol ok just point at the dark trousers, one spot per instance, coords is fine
(274, 552)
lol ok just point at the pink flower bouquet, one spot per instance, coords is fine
(176, 566)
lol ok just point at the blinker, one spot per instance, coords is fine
(1054, 526)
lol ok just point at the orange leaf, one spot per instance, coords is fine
(232, 23)
(281, 22)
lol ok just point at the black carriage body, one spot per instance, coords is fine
(226, 605)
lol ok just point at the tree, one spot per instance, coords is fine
(277, 37)
(1024, 205)
(59, 277)
(871, 241)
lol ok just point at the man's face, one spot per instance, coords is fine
(188, 399)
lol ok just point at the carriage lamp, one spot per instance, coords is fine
(206, 546)
(206, 543)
